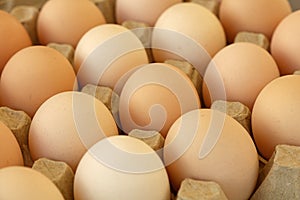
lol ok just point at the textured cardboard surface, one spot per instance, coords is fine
(295, 4)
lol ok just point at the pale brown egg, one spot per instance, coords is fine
(154, 96)
(209, 145)
(190, 32)
(67, 124)
(275, 117)
(13, 37)
(285, 46)
(146, 11)
(238, 73)
(106, 53)
(259, 16)
(121, 167)
(66, 21)
(33, 75)
(10, 152)
(26, 184)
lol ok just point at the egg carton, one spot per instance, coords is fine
(281, 171)
(278, 177)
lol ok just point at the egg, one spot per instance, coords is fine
(121, 167)
(259, 16)
(285, 44)
(26, 184)
(66, 21)
(238, 73)
(10, 152)
(187, 31)
(10, 26)
(66, 125)
(146, 11)
(33, 75)
(275, 117)
(154, 96)
(106, 53)
(209, 145)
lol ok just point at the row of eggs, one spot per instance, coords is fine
(155, 96)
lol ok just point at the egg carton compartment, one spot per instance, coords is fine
(295, 4)
(281, 170)
(278, 176)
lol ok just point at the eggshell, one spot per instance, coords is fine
(285, 44)
(154, 96)
(275, 117)
(26, 184)
(142, 10)
(66, 125)
(66, 21)
(106, 53)
(33, 75)
(259, 16)
(206, 144)
(238, 73)
(13, 37)
(10, 152)
(190, 32)
(121, 167)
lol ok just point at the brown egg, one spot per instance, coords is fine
(285, 46)
(209, 145)
(32, 76)
(13, 37)
(154, 96)
(142, 10)
(260, 16)
(275, 117)
(121, 167)
(238, 73)
(190, 32)
(106, 53)
(10, 152)
(66, 21)
(67, 124)
(26, 184)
